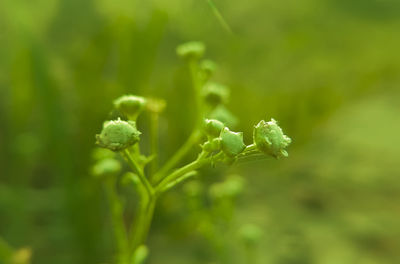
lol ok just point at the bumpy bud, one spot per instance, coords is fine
(215, 94)
(118, 135)
(269, 138)
(213, 127)
(191, 50)
(130, 105)
(232, 142)
(106, 167)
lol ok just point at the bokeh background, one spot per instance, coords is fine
(329, 71)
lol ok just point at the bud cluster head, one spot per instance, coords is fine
(191, 50)
(130, 105)
(269, 138)
(117, 135)
(215, 94)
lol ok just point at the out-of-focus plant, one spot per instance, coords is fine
(9, 255)
(219, 144)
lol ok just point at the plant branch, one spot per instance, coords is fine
(139, 171)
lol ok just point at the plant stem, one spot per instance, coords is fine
(195, 136)
(141, 229)
(181, 172)
(135, 166)
(117, 221)
(153, 142)
(178, 156)
(219, 16)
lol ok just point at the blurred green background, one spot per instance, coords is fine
(329, 71)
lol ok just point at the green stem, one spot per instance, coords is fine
(141, 229)
(117, 221)
(195, 136)
(181, 172)
(154, 142)
(178, 156)
(219, 16)
(139, 171)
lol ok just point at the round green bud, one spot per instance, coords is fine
(130, 105)
(215, 94)
(250, 234)
(232, 142)
(269, 138)
(106, 167)
(212, 145)
(222, 114)
(117, 135)
(191, 50)
(213, 127)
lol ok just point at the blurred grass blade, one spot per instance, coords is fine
(219, 16)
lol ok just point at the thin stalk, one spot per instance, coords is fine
(139, 171)
(219, 16)
(195, 136)
(181, 172)
(141, 229)
(117, 221)
(154, 147)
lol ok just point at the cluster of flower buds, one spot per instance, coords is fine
(268, 138)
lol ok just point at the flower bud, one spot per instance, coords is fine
(232, 142)
(212, 145)
(222, 114)
(213, 127)
(106, 167)
(191, 50)
(269, 138)
(215, 94)
(130, 105)
(118, 135)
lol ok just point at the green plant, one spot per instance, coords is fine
(211, 131)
